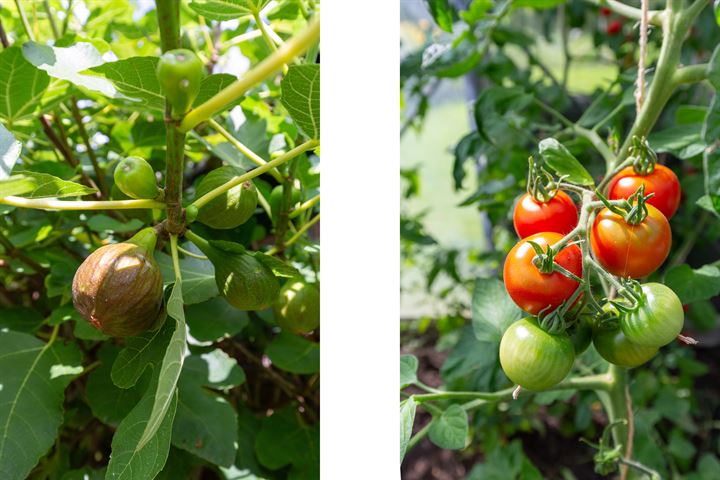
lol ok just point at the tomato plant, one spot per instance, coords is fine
(140, 259)
(533, 358)
(530, 216)
(615, 149)
(661, 182)
(630, 250)
(532, 289)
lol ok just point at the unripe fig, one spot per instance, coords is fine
(231, 209)
(276, 200)
(119, 287)
(191, 213)
(244, 281)
(180, 72)
(297, 308)
(136, 178)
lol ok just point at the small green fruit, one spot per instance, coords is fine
(180, 73)
(297, 308)
(136, 178)
(276, 199)
(231, 209)
(119, 287)
(245, 282)
(191, 213)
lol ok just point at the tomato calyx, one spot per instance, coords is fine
(632, 294)
(607, 458)
(643, 157)
(545, 262)
(633, 209)
(541, 184)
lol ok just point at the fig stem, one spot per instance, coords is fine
(201, 243)
(252, 156)
(175, 257)
(52, 204)
(302, 148)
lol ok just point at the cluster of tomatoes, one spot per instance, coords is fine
(543, 274)
(613, 26)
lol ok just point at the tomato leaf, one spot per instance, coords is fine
(449, 429)
(493, 311)
(711, 166)
(408, 370)
(407, 418)
(563, 162)
(693, 285)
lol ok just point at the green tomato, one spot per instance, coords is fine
(533, 358)
(297, 308)
(136, 178)
(581, 333)
(613, 346)
(658, 320)
(180, 73)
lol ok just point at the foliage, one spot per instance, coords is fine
(525, 103)
(214, 391)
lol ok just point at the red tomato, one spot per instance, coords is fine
(558, 215)
(630, 250)
(605, 12)
(662, 182)
(614, 27)
(534, 291)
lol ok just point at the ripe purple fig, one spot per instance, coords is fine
(119, 287)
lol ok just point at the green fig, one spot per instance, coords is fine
(276, 199)
(135, 177)
(231, 209)
(180, 73)
(119, 287)
(297, 308)
(245, 282)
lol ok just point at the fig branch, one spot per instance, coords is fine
(302, 148)
(242, 148)
(53, 204)
(288, 51)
